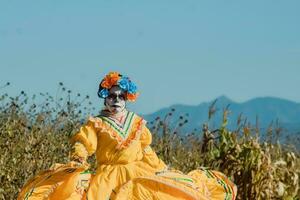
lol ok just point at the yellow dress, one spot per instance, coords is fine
(127, 168)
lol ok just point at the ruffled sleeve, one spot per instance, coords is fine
(150, 156)
(84, 141)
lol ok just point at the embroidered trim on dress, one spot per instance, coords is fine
(192, 192)
(228, 189)
(122, 142)
(122, 130)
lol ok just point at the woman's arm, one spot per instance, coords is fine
(150, 156)
(84, 143)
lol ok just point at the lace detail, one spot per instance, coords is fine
(122, 142)
(135, 135)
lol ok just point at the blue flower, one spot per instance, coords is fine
(124, 83)
(103, 93)
(132, 88)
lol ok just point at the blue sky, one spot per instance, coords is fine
(176, 51)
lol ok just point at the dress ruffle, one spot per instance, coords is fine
(102, 126)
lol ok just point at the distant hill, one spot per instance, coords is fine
(265, 109)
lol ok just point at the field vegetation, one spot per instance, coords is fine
(35, 133)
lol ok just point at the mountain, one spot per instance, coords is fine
(265, 110)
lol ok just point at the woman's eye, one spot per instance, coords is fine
(113, 96)
(110, 96)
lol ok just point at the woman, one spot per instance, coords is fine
(127, 167)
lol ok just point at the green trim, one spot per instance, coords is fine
(28, 194)
(120, 130)
(208, 174)
(87, 172)
(182, 179)
(126, 121)
(225, 186)
(117, 127)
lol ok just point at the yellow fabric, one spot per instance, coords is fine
(128, 168)
(78, 152)
(59, 182)
(88, 137)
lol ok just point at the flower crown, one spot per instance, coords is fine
(115, 78)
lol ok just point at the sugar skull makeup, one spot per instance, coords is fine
(115, 102)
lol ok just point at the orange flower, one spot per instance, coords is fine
(105, 83)
(132, 97)
(110, 79)
(114, 77)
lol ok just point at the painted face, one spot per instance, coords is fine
(115, 102)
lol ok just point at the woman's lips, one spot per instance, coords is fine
(116, 106)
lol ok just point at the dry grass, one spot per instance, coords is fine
(34, 136)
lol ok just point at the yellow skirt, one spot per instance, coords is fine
(70, 182)
(62, 181)
(199, 184)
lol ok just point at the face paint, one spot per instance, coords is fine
(115, 102)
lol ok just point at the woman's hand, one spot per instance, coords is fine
(79, 162)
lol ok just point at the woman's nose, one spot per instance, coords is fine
(117, 99)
